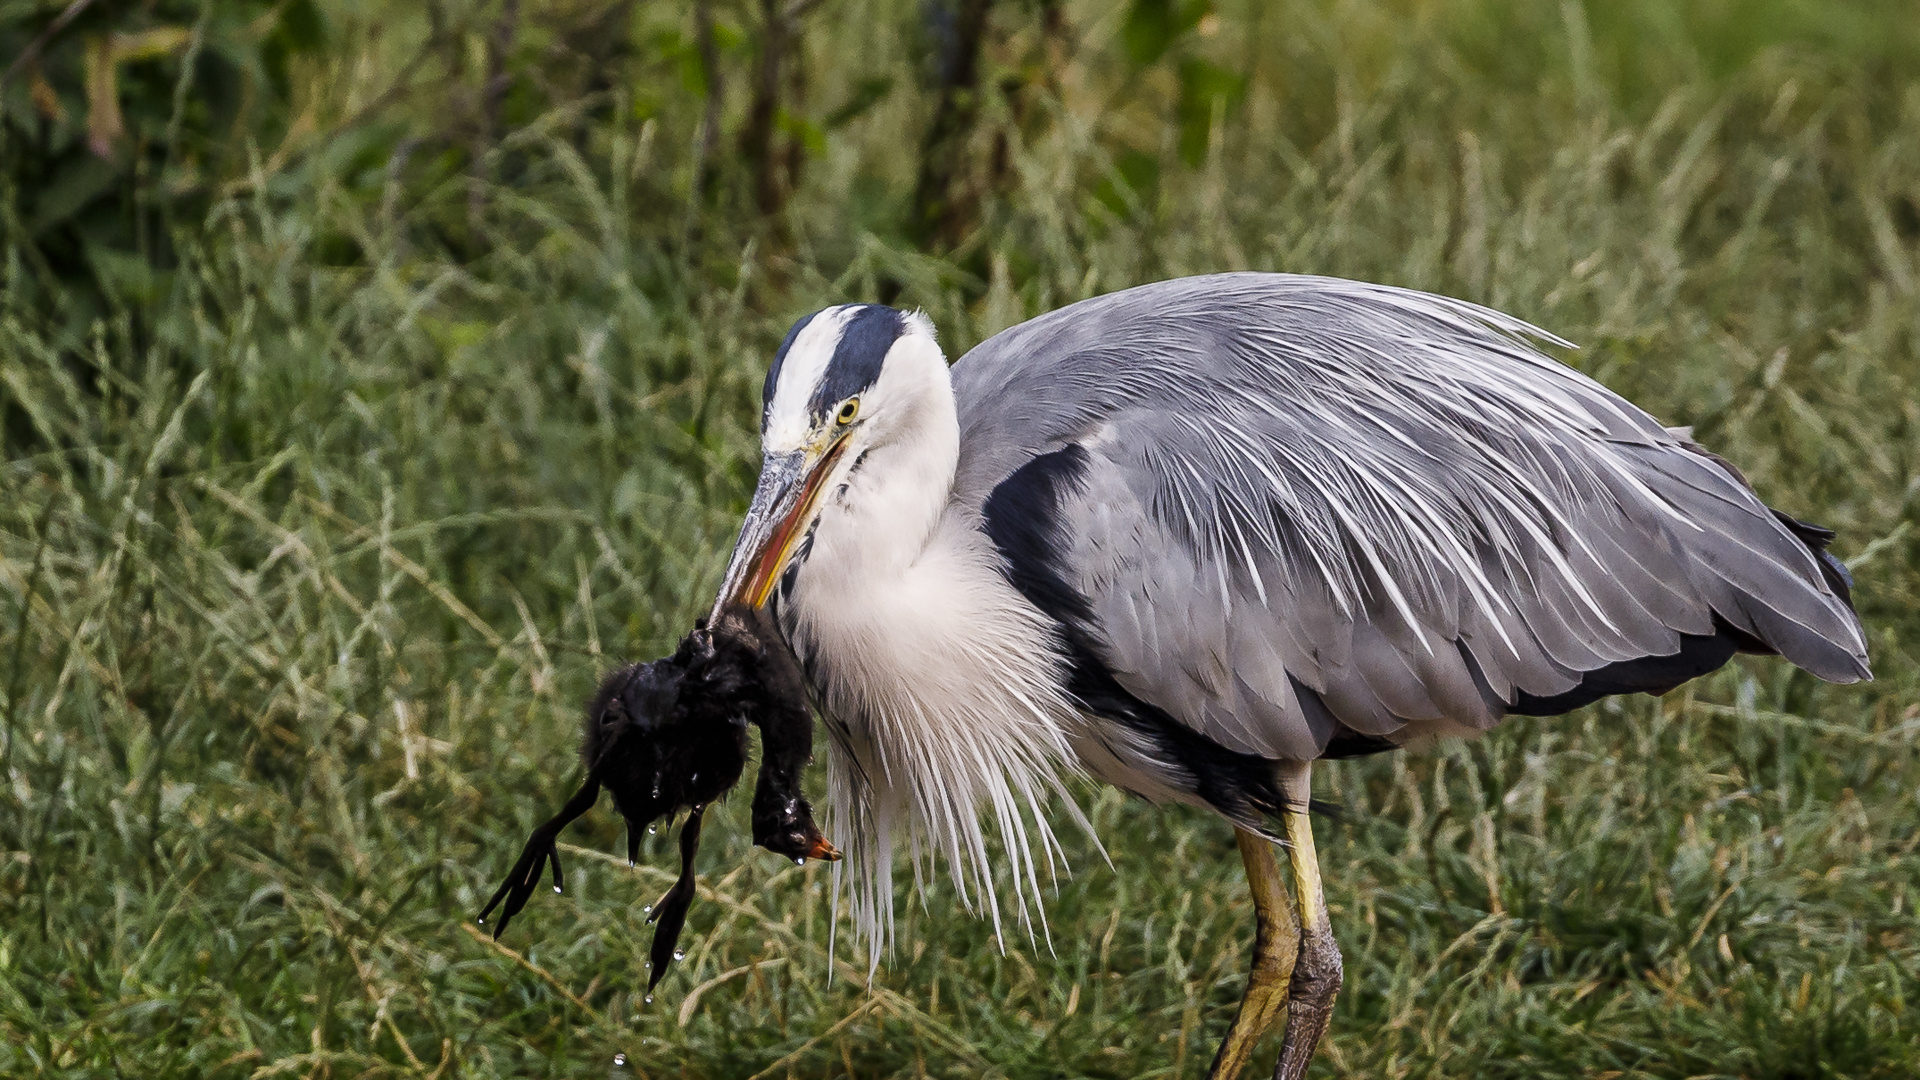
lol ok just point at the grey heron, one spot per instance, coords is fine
(1191, 537)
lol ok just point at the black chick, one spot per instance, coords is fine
(671, 735)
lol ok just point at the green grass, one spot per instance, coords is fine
(306, 563)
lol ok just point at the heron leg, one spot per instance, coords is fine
(1276, 938)
(1316, 972)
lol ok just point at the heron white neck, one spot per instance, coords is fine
(939, 680)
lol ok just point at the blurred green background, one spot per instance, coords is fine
(373, 375)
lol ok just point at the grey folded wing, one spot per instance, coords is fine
(1300, 514)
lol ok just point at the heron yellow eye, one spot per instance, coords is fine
(849, 409)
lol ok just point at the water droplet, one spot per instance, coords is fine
(651, 829)
(799, 862)
(556, 888)
(679, 954)
(649, 965)
(619, 1060)
(631, 864)
(648, 910)
(649, 999)
(482, 920)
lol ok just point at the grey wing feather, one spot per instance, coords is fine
(1308, 496)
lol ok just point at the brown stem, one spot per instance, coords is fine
(498, 80)
(942, 207)
(32, 52)
(491, 94)
(756, 139)
(716, 89)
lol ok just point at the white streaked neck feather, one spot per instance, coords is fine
(939, 681)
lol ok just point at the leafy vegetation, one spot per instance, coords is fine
(377, 377)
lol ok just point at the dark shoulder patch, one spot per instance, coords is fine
(779, 358)
(1022, 518)
(869, 332)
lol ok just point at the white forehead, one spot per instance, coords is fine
(801, 371)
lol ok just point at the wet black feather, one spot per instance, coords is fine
(671, 735)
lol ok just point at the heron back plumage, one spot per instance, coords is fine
(1310, 516)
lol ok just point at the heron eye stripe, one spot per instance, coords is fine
(868, 333)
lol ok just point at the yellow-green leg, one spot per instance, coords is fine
(1316, 969)
(1276, 938)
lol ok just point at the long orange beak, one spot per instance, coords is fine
(783, 507)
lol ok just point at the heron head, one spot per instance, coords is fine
(846, 380)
